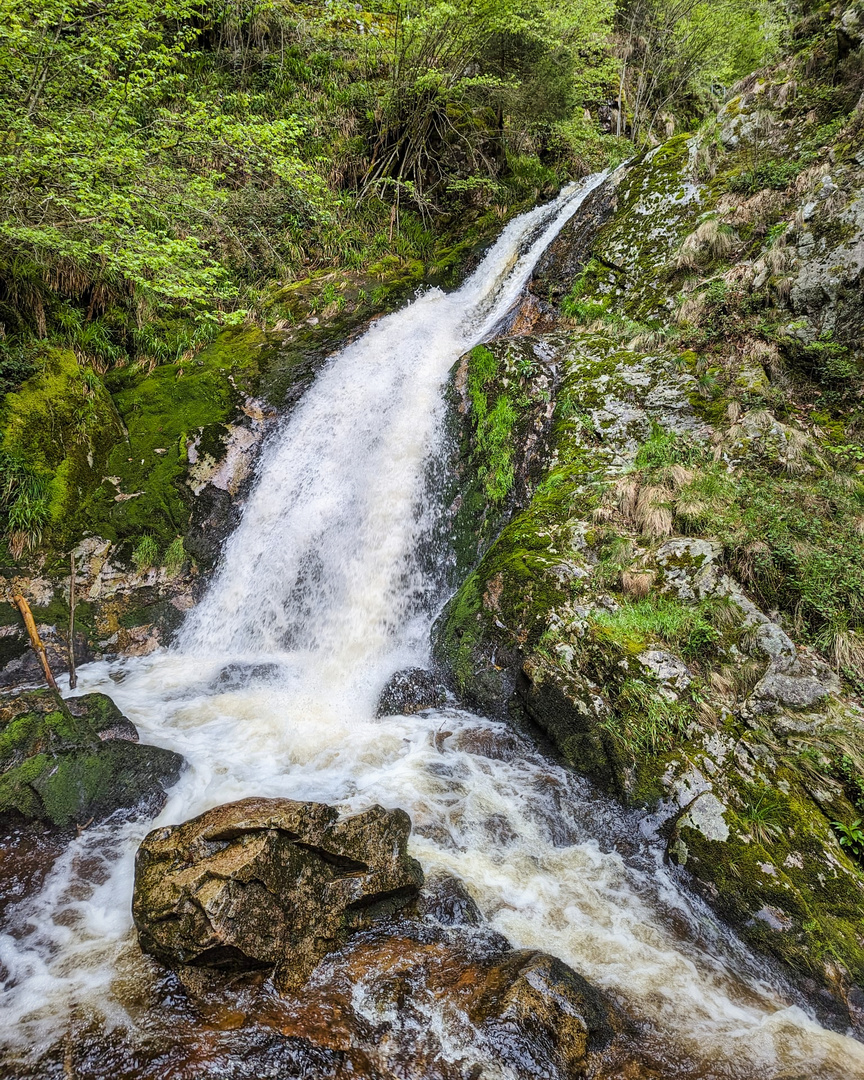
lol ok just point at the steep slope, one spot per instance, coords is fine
(664, 458)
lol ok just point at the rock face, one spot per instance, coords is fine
(269, 883)
(661, 570)
(411, 691)
(70, 762)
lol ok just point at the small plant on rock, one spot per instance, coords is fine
(146, 553)
(764, 816)
(851, 837)
(175, 556)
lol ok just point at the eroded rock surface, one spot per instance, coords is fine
(411, 691)
(269, 883)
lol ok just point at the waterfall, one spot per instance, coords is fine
(271, 691)
(321, 562)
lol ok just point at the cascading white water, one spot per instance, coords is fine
(319, 582)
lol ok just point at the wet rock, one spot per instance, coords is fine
(411, 691)
(238, 674)
(571, 249)
(74, 762)
(398, 1000)
(570, 709)
(446, 900)
(269, 883)
(428, 990)
(533, 1006)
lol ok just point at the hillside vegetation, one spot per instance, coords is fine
(178, 167)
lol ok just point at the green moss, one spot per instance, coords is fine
(780, 865)
(631, 628)
(55, 766)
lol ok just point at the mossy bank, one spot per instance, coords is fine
(658, 512)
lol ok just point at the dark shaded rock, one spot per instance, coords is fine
(19, 664)
(27, 853)
(571, 249)
(445, 899)
(103, 716)
(269, 883)
(410, 691)
(214, 514)
(238, 674)
(74, 762)
(569, 710)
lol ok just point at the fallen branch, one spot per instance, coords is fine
(73, 678)
(27, 615)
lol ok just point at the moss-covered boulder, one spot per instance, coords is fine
(674, 593)
(72, 762)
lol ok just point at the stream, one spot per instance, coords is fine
(271, 690)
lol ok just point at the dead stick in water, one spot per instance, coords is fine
(73, 678)
(27, 615)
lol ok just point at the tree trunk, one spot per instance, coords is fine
(73, 678)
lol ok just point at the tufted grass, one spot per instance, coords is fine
(657, 618)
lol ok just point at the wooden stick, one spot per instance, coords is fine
(27, 615)
(73, 678)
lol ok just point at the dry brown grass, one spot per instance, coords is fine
(637, 584)
(847, 651)
(691, 310)
(708, 242)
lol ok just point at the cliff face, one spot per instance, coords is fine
(664, 455)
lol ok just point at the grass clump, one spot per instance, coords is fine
(688, 629)
(146, 553)
(645, 722)
(174, 557)
(764, 814)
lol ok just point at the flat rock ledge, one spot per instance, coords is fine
(269, 883)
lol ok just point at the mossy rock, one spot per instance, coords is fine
(72, 762)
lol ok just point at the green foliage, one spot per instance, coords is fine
(792, 540)
(774, 174)
(15, 367)
(677, 51)
(644, 722)
(764, 814)
(146, 553)
(24, 503)
(633, 626)
(665, 447)
(174, 557)
(851, 837)
(493, 427)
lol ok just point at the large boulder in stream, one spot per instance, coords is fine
(269, 883)
(75, 761)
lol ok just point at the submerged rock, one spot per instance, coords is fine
(269, 883)
(70, 762)
(410, 691)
